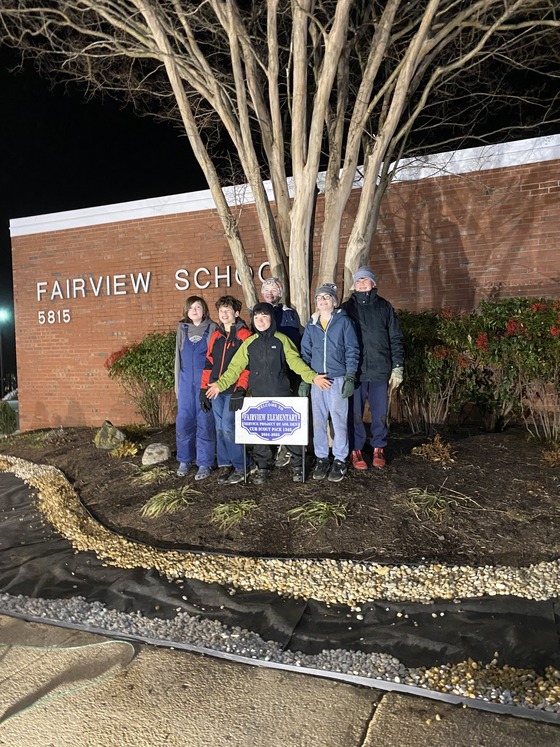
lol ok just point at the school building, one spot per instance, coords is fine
(455, 228)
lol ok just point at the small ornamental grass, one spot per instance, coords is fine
(435, 450)
(434, 504)
(152, 475)
(168, 502)
(126, 449)
(228, 515)
(319, 513)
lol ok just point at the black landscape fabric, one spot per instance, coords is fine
(37, 562)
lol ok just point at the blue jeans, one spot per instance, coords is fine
(375, 392)
(327, 402)
(229, 453)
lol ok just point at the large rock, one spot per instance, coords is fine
(156, 453)
(108, 436)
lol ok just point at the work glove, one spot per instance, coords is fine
(236, 400)
(396, 379)
(348, 385)
(303, 389)
(205, 403)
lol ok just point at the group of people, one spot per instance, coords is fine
(347, 356)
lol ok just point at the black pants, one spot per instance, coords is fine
(264, 456)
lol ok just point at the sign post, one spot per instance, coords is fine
(273, 421)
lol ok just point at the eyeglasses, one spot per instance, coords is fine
(323, 297)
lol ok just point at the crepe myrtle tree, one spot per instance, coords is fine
(290, 89)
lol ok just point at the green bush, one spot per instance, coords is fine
(504, 358)
(145, 370)
(435, 377)
(8, 419)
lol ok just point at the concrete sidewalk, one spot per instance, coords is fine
(105, 693)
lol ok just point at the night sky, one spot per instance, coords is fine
(62, 153)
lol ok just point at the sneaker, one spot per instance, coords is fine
(224, 475)
(321, 469)
(358, 460)
(203, 473)
(338, 470)
(236, 477)
(261, 475)
(252, 468)
(184, 467)
(378, 458)
(283, 457)
(298, 475)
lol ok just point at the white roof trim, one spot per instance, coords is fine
(487, 157)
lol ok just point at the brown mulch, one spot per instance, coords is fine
(501, 503)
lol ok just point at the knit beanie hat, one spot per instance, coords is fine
(273, 281)
(327, 289)
(364, 272)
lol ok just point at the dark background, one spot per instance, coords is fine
(62, 153)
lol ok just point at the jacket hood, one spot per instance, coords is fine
(264, 308)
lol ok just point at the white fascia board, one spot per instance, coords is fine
(469, 160)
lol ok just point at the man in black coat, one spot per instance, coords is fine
(381, 364)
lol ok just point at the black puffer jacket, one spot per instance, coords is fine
(269, 356)
(379, 335)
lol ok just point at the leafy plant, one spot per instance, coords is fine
(434, 372)
(145, 370)
(319, 513)
(127, 448)
(8, 419)
(227, 515)
(168, 502)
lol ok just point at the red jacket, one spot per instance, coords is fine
(221, 349)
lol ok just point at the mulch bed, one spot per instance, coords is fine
(501, 503)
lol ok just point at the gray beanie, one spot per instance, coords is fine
(329, 289)
(364, 272)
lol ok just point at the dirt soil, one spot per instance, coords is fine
(501, 503)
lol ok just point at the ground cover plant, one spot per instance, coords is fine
(501, 495)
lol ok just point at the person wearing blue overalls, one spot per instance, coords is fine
(195, 428)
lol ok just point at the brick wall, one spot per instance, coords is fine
(448, 242)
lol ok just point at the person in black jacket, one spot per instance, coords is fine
(381, 364)
(268, 355)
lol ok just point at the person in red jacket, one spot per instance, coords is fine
(224, 343)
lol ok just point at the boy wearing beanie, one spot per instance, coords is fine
(330, 344)
(381, 364)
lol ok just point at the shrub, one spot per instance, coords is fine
(145, 370)
(435, 375)
(8, 419)
(513, 349)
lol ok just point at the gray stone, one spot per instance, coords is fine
(156, 453)
(108, 436)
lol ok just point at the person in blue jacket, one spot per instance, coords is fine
(330, 345)
(195, 428)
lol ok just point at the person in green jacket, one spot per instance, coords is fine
(269, 356)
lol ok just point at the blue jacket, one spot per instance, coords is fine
(335, 350)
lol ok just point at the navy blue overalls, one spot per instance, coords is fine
(195, 429)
